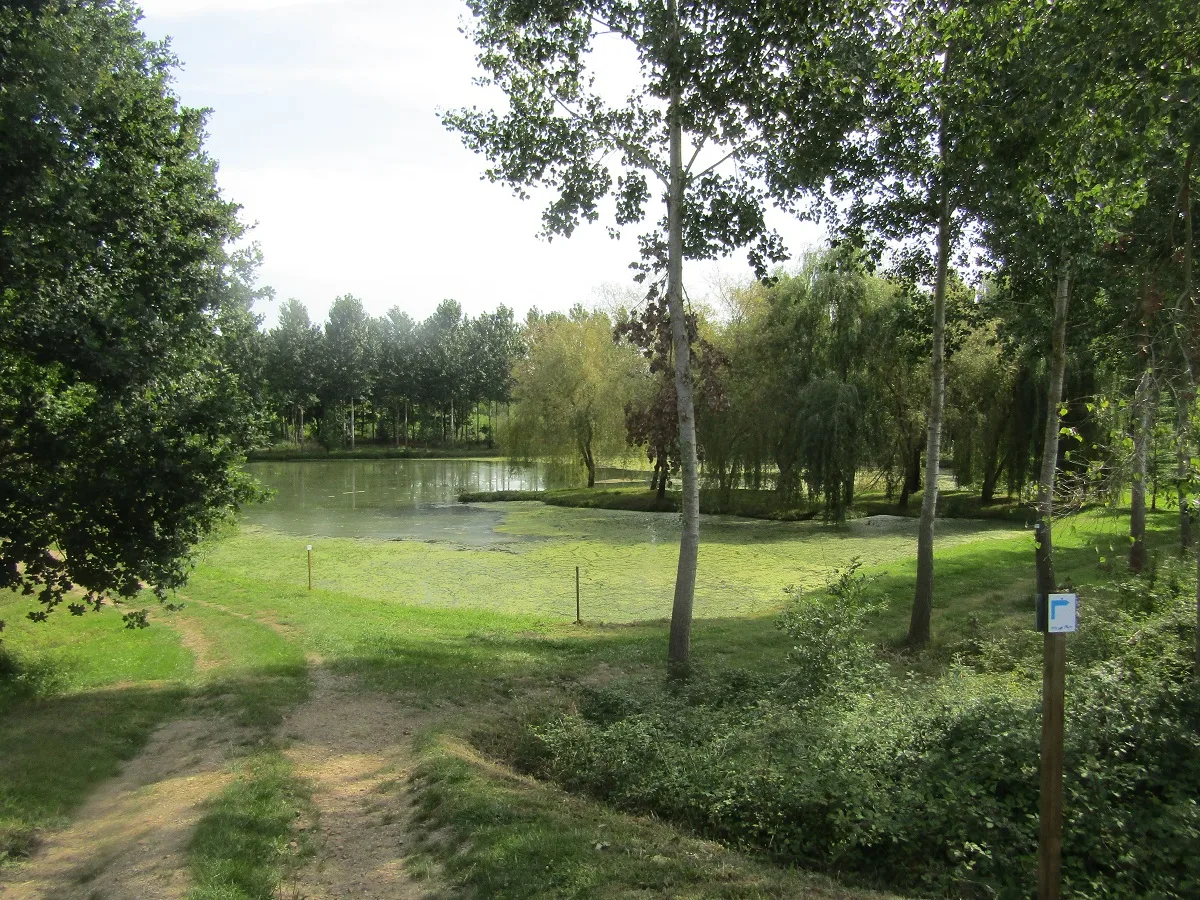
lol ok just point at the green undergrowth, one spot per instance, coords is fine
(247, 844)
(503, 836)
(844, 762)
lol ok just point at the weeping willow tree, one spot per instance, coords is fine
(571, 391)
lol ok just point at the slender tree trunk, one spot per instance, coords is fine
(1137, 502)
(351, 423)
(301, 426)
(405, 423)
(654, 477)
(1189, 307)
(661, 497)
(912, 477)
(1183, 465)
(1043, 533)
(679, 651)
(922, 610)
(993, 464)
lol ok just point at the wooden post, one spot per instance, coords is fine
(310, 567)
(578, 620)
(1054, 655)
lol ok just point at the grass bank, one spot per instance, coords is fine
(760, 504)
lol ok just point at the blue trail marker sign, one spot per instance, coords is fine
(1056, 613)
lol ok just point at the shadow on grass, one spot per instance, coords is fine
(57, 749)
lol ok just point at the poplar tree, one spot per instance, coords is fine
(683, 129)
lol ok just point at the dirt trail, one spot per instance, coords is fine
(129, 840)
(356, 751)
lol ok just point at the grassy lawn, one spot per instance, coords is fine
(477, 634)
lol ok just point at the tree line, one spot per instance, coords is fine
(389, 376)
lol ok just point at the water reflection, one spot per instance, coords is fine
(396, 499)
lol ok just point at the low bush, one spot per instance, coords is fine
(928, 785)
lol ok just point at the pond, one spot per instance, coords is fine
(391, 499)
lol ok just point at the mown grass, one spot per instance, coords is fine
(627, 564)
(247, 843)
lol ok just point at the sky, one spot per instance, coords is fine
(324, 123)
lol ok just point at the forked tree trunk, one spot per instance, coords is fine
(679, 650)
(1043, 532)
(922, 610)
(1137, 502)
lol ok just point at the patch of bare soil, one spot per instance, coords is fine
(195, 642)
(356, 751)
(129, 840)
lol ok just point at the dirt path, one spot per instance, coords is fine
(129, 840)
(356, 751)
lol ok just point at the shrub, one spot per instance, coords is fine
(832, 653)
(925, 785)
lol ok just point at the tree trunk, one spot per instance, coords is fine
(351, 423)
(679, 651)
(451, 420)
(1137, 502)
(1043, 534)
(405, 423)
(1183, 465)
(993, 465)
(301, 426)
(661, 497)
(912, 477)
(922, 610)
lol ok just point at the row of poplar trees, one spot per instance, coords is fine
(416, 378)
(1050, 143)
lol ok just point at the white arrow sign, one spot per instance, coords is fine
(1062, 613)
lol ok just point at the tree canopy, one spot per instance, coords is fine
(123, 324)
